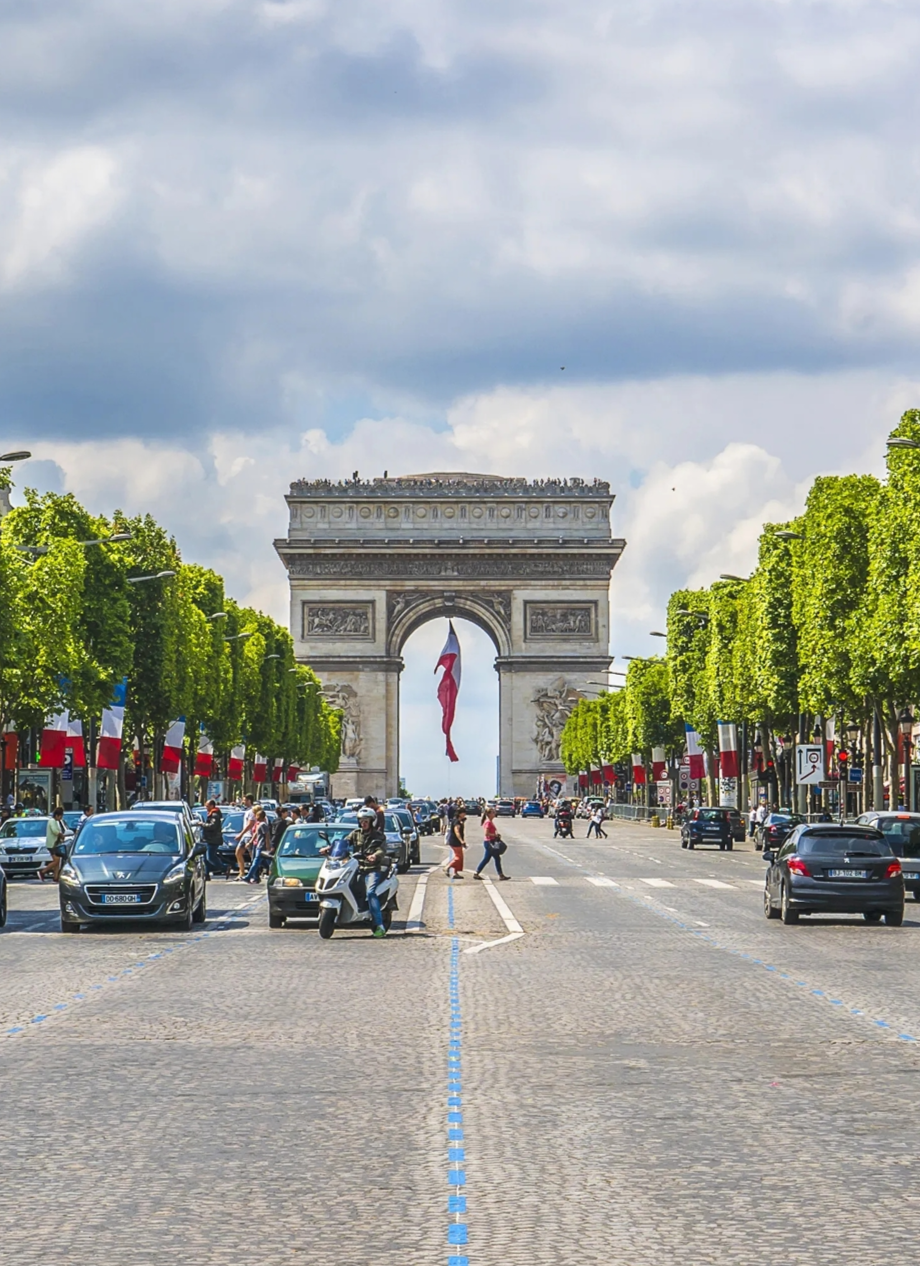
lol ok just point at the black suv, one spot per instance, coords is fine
(136, 865)
(902, 833)
(708, 826)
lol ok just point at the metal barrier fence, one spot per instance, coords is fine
(634, 812)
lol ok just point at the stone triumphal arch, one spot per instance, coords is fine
(530, 563)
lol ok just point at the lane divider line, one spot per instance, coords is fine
(148, 961)
(414, 918)
(501, 906)
(545, 881)
(457, 1229)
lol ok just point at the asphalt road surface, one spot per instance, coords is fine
(614, 1058)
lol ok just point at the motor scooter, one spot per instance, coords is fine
(341, 891)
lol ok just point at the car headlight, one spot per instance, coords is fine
(288, 881)
(175, 875)
(69, 877)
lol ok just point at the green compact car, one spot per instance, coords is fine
(296, 865)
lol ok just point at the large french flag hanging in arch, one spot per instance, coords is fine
(449, 686)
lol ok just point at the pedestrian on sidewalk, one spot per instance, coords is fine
(494, 846)
(597, 823)
(212, 833)
(456, 843)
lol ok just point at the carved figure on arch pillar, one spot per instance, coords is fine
(346, 697)
(553, 704)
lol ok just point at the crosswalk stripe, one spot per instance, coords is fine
(546, 881)
(713, 883)
(601, 881)
(657, 883)
(757, 882)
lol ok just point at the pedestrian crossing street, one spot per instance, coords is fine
(602, 881)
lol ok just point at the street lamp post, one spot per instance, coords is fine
(878, 770)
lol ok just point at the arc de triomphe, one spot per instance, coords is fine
(370, 562)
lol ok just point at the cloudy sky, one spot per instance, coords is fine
(244, 242)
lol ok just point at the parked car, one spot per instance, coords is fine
(22, 846)
(774, 829)
(505, 809)
(707, 826)
(532, 809)
(294, 869)
(134, 865)
(823, 868)
(739, 826)
(405, 818)
(427, 825)
(902, 834)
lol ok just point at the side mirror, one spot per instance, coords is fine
(768, 855)
(199, 850)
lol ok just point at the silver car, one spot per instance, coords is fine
(22, 846)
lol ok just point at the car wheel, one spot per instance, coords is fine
(873, 916)
(787, 914)
(721, 847)
(387, 917)
(67, 926)
(200, 913)
(683, 843)
(769, 908)
(730, 846)
(3, 908)
(916, 895)
(275, 920)
(689, 843)
(758, 848)
(894, 918)
(326, 923)
(185, 922)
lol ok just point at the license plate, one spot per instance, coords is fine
(309, 896)
(911, 874)
(120, 898)
(847, 874)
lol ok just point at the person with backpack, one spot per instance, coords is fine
(494, 846)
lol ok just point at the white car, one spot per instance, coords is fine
(22, 846)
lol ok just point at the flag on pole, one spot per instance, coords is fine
(728, 749)
(75, 743)
(449, 686)
(609, 773)
(204, 760)
(54, 741)
(235, 763)
(293, 771)
(108, 749)
(659, 765)
(171, 759)
(694, 753)
(278, 770)
(259, 768)
(638, 770)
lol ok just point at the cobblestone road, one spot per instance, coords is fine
(651, 1073)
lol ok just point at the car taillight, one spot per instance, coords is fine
(798, 867)
(894, 868)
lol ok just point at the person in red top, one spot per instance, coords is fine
(457, 843)
(493, 846)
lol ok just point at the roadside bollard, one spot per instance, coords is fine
(656, 821)
(670, 823)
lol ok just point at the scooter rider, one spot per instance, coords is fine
(370, 843)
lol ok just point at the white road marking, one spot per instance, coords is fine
(546, 881)
(507, 917)
(758, 882)
(657, 883)
(477, 949)
(414, 919)
(601, 881)
(713, 883)
(700, 924)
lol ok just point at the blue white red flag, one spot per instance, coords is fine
(449, 686)
(108, 749)
(694, 753)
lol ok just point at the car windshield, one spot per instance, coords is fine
(531, 804)
(25, 826)
(129, 835)
(233, 820)
(711, 815)
(838, 845)
(306, 841)
(405, 818)
(783, 819)
(902, 834)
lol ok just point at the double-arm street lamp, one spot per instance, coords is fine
(159, 575)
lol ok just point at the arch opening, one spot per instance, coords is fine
(423, 765)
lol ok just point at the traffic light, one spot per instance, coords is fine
(842, 757)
